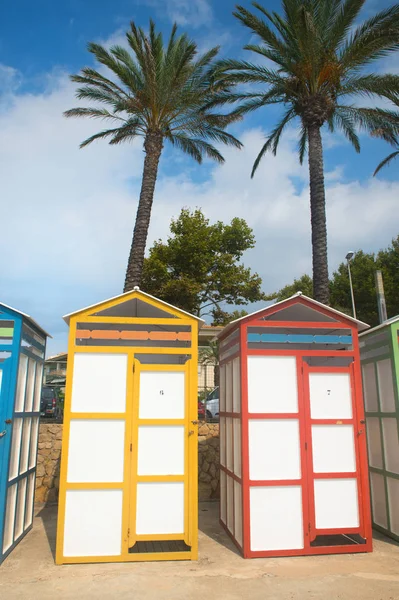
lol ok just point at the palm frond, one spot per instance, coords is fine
(302, 144)
(375, 38)
(386, 161)
(196, 148)
(274, 138)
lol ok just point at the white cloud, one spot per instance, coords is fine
(194, 13)
(68, 214)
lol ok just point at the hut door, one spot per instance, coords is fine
(162, 447)
(332, 435)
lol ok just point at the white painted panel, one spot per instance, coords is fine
(38, 387)
(378, 499)
(229, 386)
(274, 450)
(93, 523)
(272, 384)
(276, 521)
(333, 449)
(391, 444)
(237, 446)
(223, 496)
(374, 442)
(30, 385)
(33, 442)
(96, 450)
(15, 447)
(385, 385)
(230, 504)
(236, 386)
(20, 514)
(10, 517)
(370, 388)
(99, 383)
(160, 508)
(25, 445)
(162, 395)
(222, 433)
(393, 497)
(21, 383)
(238, 512)
(336, 503)
(229, 443)
(222, 391)
(29, 500)
(161, 450)
(330, 396)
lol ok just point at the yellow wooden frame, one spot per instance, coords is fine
(132, 423)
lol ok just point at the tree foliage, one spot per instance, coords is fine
(363, 267)
(198, 268)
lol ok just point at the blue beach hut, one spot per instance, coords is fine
(22, 351)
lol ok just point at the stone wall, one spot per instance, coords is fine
(48, 462)
(208, 461)
(49, 453)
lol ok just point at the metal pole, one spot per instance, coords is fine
(382, 307)
(351, 287)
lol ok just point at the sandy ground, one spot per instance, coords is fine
(30, 573)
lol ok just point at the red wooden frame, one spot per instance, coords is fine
(305, 423)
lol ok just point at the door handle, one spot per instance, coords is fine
(3, 433)
(8, 421)
(195, 422)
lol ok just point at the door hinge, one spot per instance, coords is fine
(306, 445)
(128, 532)
(134, 367)
(131, 447)
(309, 527)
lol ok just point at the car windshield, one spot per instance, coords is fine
(47, 393)
(213, 395)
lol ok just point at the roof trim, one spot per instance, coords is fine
(386, 323)
(27, 317)
(135, 290)
(360, 325)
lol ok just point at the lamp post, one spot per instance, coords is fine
(349, 257)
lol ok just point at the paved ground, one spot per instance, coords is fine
(29, 572)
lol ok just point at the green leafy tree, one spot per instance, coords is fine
(304, 284)
(363, 268)
(198, 268)
(158, 92)
(222, 317)
(316, 63)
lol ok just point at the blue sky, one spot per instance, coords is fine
(69, 213)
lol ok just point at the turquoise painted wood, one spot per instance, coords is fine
(22, 351)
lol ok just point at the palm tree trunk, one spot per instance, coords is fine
(321, 291)
(153, 145)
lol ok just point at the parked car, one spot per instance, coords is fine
(48, 402)
(212, 404)
(201, 410)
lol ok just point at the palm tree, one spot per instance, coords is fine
(315, 65)
(158, 92)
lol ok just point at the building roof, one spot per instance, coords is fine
(126, 295)
(27, 317)
(57, 356)
(360, 325)
(382, 325)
